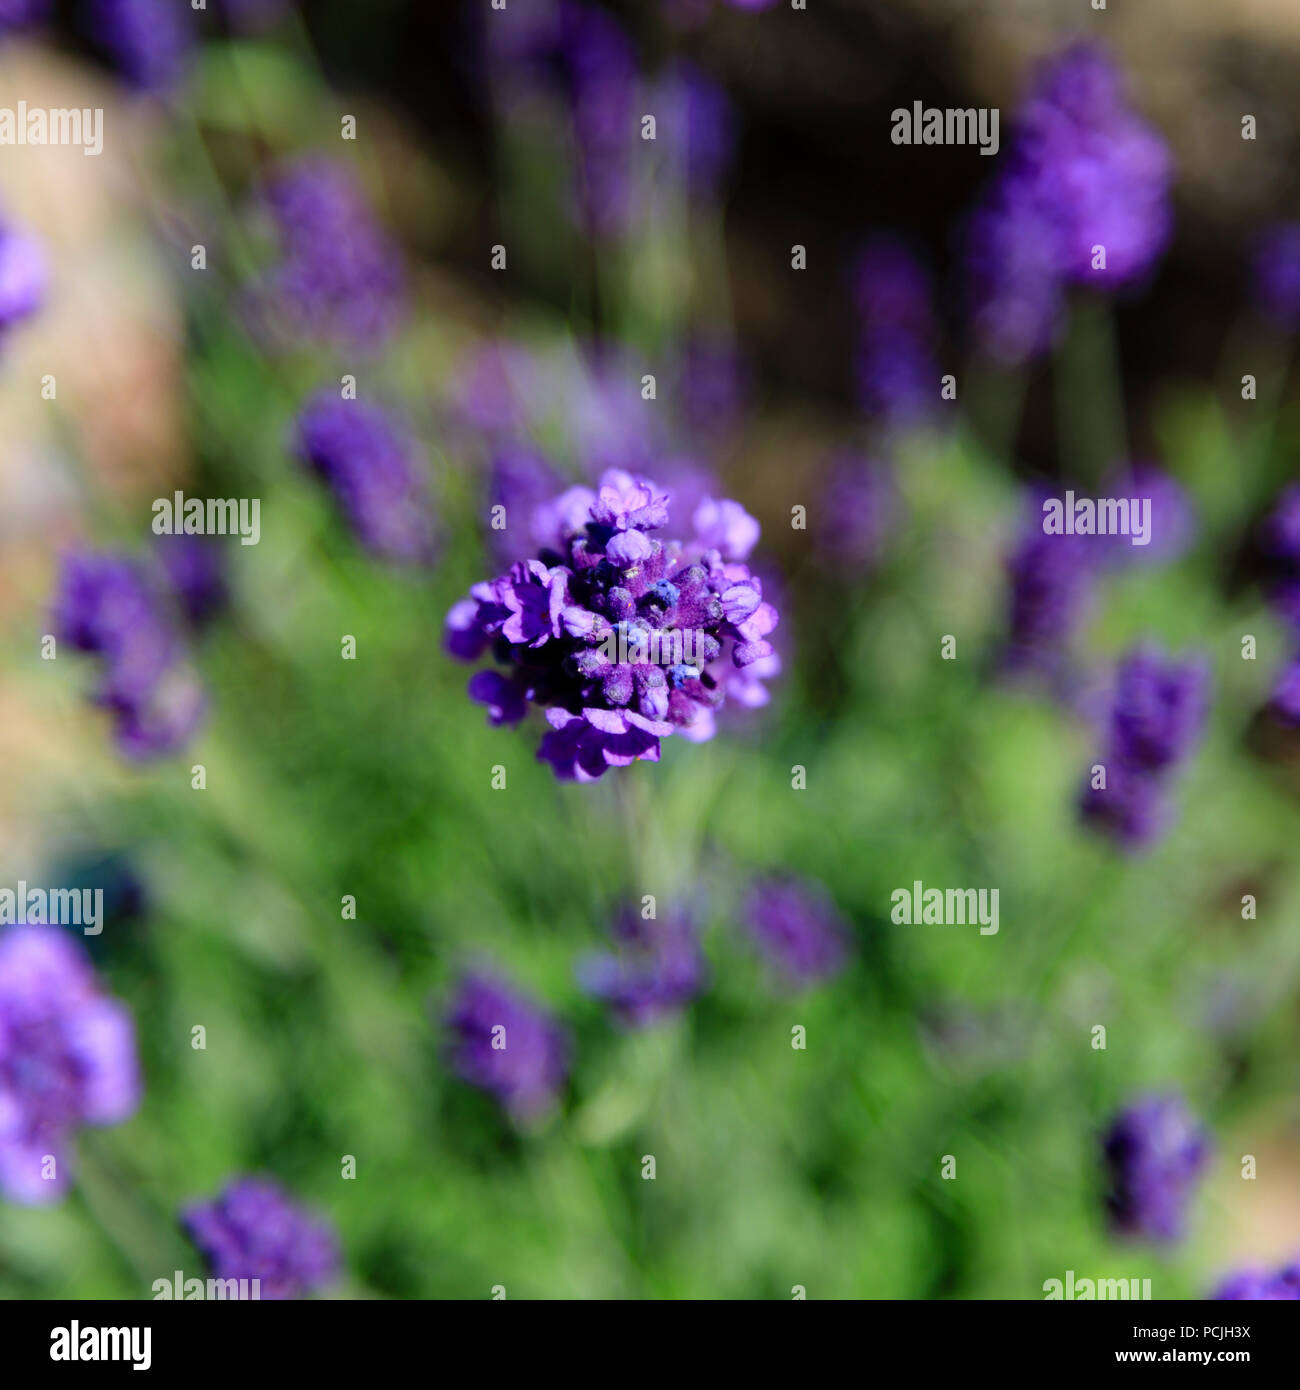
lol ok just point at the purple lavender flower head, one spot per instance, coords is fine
(340, 277)
(107, 607)
(621, 638)
(1172, 516)
(369, 465)
(504, 1044)
(1155, 1152)
(1276, 275)
(1255, 1285)
(891, 289)
(797, 929)
(67, 1059)
(1051, 583)
(656, 969)
(20, 14)
(698, 125)
(1159, 709)
(896, 374)
(194, 571)
(23, 276)
(149, 41)
(253, 1229)
(859, 505)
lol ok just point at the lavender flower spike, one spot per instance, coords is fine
(255, 1230)
(797, 928)
(67, 1059)
(658, 968)
(1155, 1153)
(504, 1044)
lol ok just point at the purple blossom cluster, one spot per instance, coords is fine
(1084, 173)
(67, 1059)
(1154, 1152)
(23, 276)
(502, 1043)
(1276, 275)
(369, 464)
(112, 608)
(253, 1229)
(1258, 1286)
(150, 42)
(797, 929)
(656, 968)
(896, 373)
(340, 277)
(621, 638)
(1156, 718)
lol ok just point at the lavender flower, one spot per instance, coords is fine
(657, 968)
(106, 606)
(149, 41)
(897, 376)
(1255, 1285)
(1051, 583)
(359, 451)
(504, 1044)
(1280, 546)
(797, 928)
(697, 123)
(22, 277)
(193, 569)
(1173, 520)
(340, 277)
(19, 14)
(621, 638)
(1156, 718)
(1276, 276)
(521, 483)
(1155, 1152)
(67, 1059)
(254, 1230)
(859, 506)
(1084, 171)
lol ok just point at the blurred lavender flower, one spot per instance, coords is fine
(194, 571)
(506, 1045)
(149, 41)
(1051, 584)
(797, 928)
(1279, 542)
(896, 372)
(521, 482)
(1155, 1152)
(859, 504)
(1255, 1285)
(340, 276)
(1083, 171)
(67, 1059)
(106, 606)
(1276, 275)
(1285, 700)
(657, 968)
(369, 465)
(697, 124)
(712, 384)
(19, 14)
(254, 1230)
(23, 277)
(618, 641)
(1173, 519)
(1157, 715)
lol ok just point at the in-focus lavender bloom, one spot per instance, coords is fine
(67, 1059)
(23, 277)
(149, 41)
(194, 571)
(340, 277)
(1276, 275)
(797, 928)
(657, 968)
(107, 607)
(370, 467)
(896, 373)
(859, 506)
(1154, 1152)
(1083, 171)
(504, 1044)
(1051, 583)
(1255, 1285)
(1156, 718)
(254, 1230)
(621, 638)
(1173, 519)
(19, 14)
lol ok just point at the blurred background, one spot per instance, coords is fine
(373, 778)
